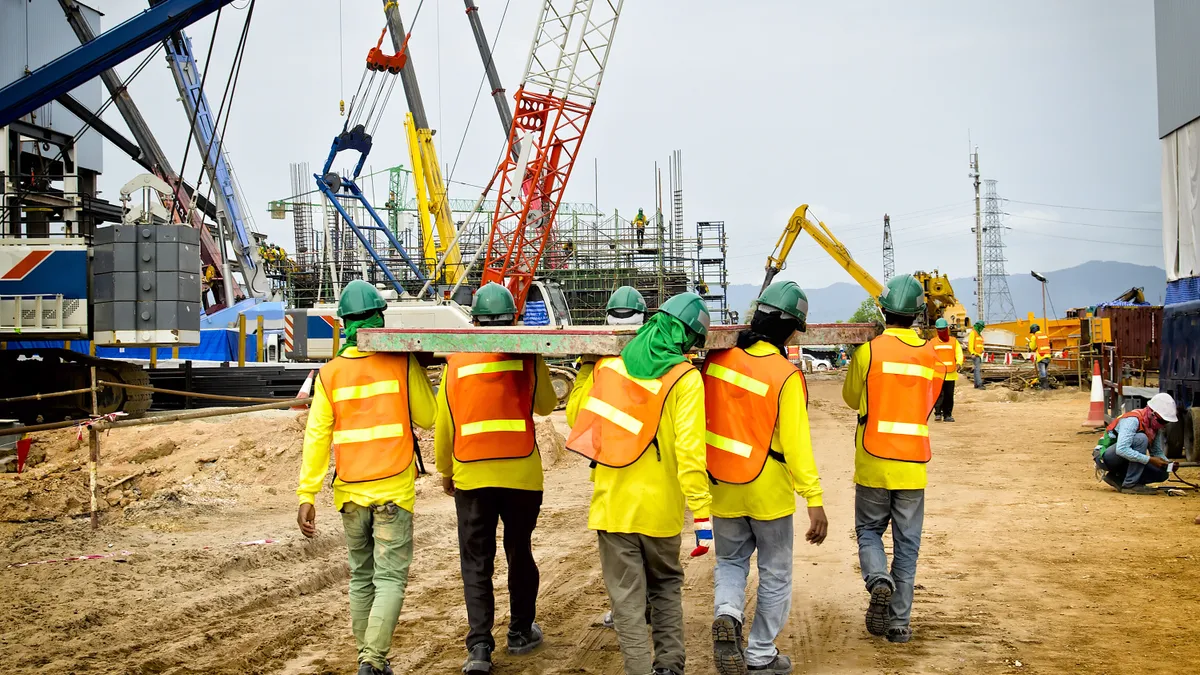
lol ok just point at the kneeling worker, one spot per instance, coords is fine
(488, 458)
(1131, 451)
(759, 456)
(950, 353)
(640, 418)
(364, 405)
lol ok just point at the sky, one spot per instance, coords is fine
(857, 108)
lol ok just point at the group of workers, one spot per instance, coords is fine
(727, 438)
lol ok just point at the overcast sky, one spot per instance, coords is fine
(857, 108)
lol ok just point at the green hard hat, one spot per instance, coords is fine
(626, 297)
(493, 300)
(979, 325)
(1033, 328)
(691, 310)
(903, 295)
(359, 297)
(940, 323)
(787, 297)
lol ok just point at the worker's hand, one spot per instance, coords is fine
(1158, 462)
(448, 485)
(704, 537)
(306, 518)
(818, 525)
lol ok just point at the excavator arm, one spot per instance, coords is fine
(821, 234)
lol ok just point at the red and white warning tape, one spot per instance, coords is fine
(86, 424)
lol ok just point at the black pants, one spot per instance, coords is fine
(641, 236)
(945, 402)
(478, 513)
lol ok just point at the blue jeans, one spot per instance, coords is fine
(905, 509)
(978, 361)
(1128, 473)
(1043, 375)
(735, 540)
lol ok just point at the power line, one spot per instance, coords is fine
(1073, 222)
(1082, 208)
(1088, 240)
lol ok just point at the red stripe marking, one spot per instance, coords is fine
(26, 265)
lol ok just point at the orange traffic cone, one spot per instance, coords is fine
(305, 391)
(1095, 416)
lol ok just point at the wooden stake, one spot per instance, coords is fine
(94, 457)
(259, 340)
(241, 340)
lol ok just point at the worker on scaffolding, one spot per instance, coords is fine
(488, 457)
(639, 223)
(975, 349)
(1130, 455)
(893, 383)
(648, 397)
(759, 458)
(363, 406)
(950, 353)
(1039, 347)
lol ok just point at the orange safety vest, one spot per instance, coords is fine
(491, 405)
(619, 419)
(903, 383)
(945, 355)
(372, 431)
(975, 343)
(1043, 346)
(1142, 415)
(741, 407)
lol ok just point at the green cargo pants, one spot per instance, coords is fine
(380, 542)
(639, 571)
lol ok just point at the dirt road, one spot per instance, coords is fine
(1027, 564)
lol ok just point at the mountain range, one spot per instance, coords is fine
(1084, 285)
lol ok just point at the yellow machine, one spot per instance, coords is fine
(939, 295)
(432, 201)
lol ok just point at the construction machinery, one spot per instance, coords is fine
(939, 295)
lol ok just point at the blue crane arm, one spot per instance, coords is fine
(111, 47)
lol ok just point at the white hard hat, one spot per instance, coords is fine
(1164, 405)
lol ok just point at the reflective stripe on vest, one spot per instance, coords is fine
(741, 408)
(1043, 346)
(903, 383)
(490, 397)
(619, 418)
(371, 425)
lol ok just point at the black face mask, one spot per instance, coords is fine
(774, 328)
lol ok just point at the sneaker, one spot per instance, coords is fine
(607, 621)
(901, 634)
(727, 646)
(937, 418)
(781, 665)
(479, 659)
(948, 418)
(1139, 490)
(523, 643)
(877, 611)
(368, 669)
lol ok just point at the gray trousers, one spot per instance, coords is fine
(736, 540)
(977, 361)
(639, 569)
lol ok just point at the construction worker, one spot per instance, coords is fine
(1039, 346)
(759, 457)
(489, 461)
(950, 353)
(893, 382)
(640, 418)
(975, 348)
(363, 406)
(639, 222)
(1130, 454)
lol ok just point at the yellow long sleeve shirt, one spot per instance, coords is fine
(518, 474)
(318, 434)
(869, 470)
(772, 494)
(975, 343)
(649, 496)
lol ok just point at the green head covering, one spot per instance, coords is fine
(374, 320)
(658, 347)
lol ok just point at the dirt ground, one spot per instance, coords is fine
(1028, 565)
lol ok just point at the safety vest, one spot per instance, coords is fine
(619, 419)
(1143, 417)
(372, 431)
(947, 356)
(491, 404)
(903, 383)
(1041, 341)
(975, 343)
(741, 407)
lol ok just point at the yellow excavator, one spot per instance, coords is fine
(939, 295)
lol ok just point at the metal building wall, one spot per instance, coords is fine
(1177, 53)
(33, 34)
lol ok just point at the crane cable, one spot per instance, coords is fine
(341, 66)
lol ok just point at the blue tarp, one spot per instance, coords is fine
(215, 345)
(227, 318)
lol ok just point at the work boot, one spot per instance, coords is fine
(948, 418)
(1139, 490)
(1111, 482)
(727, 646)
(937, 417)
(780, 665)
(877, 611)
(366, 668)
(479, 659)
(900, 634)
(523, 643)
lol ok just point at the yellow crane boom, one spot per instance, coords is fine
(837, 250)
(432, 201)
